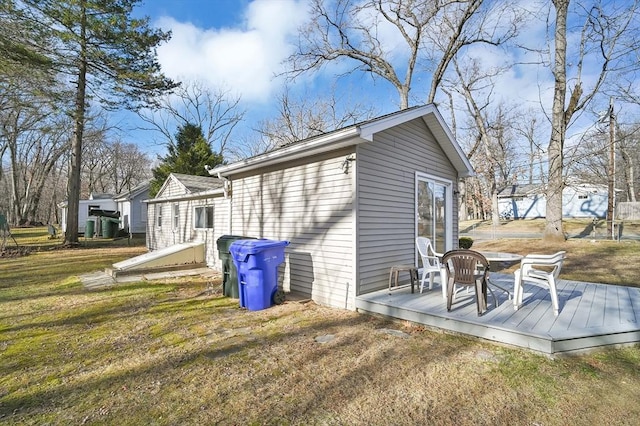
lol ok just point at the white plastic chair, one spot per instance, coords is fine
(430, 261)
(529, 271)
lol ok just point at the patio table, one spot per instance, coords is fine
(497, 260)
(500, 261)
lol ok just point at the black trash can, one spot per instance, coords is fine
(229, 271)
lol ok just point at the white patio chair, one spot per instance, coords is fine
(530, 271)
(430, 261)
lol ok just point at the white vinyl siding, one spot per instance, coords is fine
(166, 236)
(310, 205)
(386, 198)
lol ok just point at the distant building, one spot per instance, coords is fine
(529, 201)
(132, 212)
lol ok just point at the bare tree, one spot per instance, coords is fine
(628, 140)
(216, 111)
(528, 126)
(301, 117)
(432, 33)
(110, 166)
(602, 39)
(492, 141)
(36, 137)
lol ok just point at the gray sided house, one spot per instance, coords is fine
(351, 202)
(579, 200)
(133, 212)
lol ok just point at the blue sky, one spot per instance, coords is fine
(239, 45)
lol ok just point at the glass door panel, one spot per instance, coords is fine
(433, 206)
(440, 217)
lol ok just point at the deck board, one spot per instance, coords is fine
(591, 315)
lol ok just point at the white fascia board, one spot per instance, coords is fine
(330, 142)
(376, 126)
(191, 196)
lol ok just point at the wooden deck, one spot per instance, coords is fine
(591, 315)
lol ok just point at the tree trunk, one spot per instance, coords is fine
(553, 230)
(73, 196)
(630, 188)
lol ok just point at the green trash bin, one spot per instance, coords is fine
(115, 226)
(89, 229)
(107, 229)
(229, 271)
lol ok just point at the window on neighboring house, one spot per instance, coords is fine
(92, 207)
(159, 215)
(176, 216)
(203, 217)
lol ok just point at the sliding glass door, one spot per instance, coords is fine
(434, 211)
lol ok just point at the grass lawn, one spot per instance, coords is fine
(178, 352)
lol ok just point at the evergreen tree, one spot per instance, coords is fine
(109, 56)
(188, 155)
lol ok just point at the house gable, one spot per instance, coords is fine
(354, 135)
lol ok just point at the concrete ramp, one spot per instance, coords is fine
(182, 256)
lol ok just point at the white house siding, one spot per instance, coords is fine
(124, 207)
(310, 205)
(581, 202)
(83, 212)
(386, 198)
(168, 234)
(133, 213)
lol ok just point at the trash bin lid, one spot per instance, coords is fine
(224, 242)
(242, 248)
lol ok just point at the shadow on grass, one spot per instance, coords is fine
(48, 400)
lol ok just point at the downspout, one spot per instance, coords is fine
(227, 196)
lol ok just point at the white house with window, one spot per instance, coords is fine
(183, 211)
(529, 201)
(350, 202)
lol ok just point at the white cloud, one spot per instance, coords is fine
(243, 59)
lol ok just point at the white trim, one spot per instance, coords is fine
(355, 264)
(367, 130)
(190, 196)
(294, 151)
(420, 176)
(175, 217)
(355, 135)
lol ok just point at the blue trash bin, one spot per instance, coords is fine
(257, 264)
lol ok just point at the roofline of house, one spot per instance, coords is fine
(191, 196)
(350, 136)
(317, 145)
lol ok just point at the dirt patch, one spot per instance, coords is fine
(11, 252)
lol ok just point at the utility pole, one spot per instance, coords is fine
(612, 171)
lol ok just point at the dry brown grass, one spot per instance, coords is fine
(176, 352)
(599, 261)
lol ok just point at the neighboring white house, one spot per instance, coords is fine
(133, 212)
(95, 202)
(579, 200)
(351, 203)
(186, 209)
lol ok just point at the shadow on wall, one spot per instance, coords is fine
(299, 271)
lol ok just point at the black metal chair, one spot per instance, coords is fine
(467, 268)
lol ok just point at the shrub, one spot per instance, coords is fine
(465, 242)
